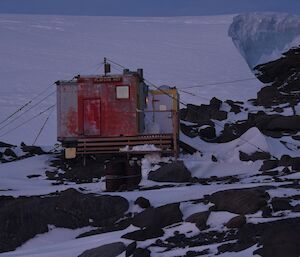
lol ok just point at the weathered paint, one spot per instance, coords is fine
(160, 111)
(88, 107)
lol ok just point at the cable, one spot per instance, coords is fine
(26, 104)
(120, 65)
(185, 104)
(222, 83)
(43, 126)
(21, 124)
(11, 121)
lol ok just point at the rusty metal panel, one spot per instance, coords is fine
(67, 115)
(92, 114)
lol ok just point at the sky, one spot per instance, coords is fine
(146, 7)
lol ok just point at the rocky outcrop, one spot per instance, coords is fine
(109, 250)
(171, 172)
(26, 217)
(240, 201)
(158, 217)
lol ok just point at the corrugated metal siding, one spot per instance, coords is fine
(67, 115)
(89, 108)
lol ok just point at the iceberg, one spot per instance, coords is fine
(264, 37)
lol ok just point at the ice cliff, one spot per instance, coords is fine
(264, 37)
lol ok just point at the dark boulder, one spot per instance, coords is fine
(207, 133)
(171, 172)
(144, 234)
(2, 144)
(280, 204)
(130, 249)
(295, 163)
(215, 103)
(109, 250)
(158, 217)
(140, 252)
(236, 222)
(33, 150)
(26, 217)
(269, 165)
(234, 106)
(296, 208)
(10, 153)
(240, 201)
(285, 160)
(200, 219)
(254, 156)
(274, 239)
(142, 202)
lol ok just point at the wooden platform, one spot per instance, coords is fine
(107, 145)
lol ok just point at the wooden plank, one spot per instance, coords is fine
(144, 137)
(109, 148)
(156, 142)
(128, 152)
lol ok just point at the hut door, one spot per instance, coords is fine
(92, 117)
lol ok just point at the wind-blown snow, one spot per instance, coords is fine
(263, 37)
(178, 51)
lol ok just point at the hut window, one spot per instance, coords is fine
(122, 92)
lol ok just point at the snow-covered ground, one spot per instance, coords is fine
(181, 51)
(36, 51)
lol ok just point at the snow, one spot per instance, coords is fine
(71, 248)
(54, 236)
(263, 37)
(176, 51)
(140, 148)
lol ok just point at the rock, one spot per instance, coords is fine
(214, 158)
(218, 115)
(275, 239)
(269, 165)
(266, 212)
(280, 204)
(33, 176)
(280, 123)
(28, 216)
(144, 234)
(34, 150)
(240, 201)
(207, 133)
(296, 208)
(130, 249)
(215, 103)
(171, 172)
(235, 108)
(2, 144)
(10, 153)
(190, 131)
(142, 202)
(109, 250)
(254, 156)
(158, 217)
(236, 222)
(200, 219)
(279, 239)
(295, 163)
(140, 252)
(286, 170)
(285, 160)
(266, 95)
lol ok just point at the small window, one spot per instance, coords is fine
(122, 92)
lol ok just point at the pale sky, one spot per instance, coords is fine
(147, 7)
